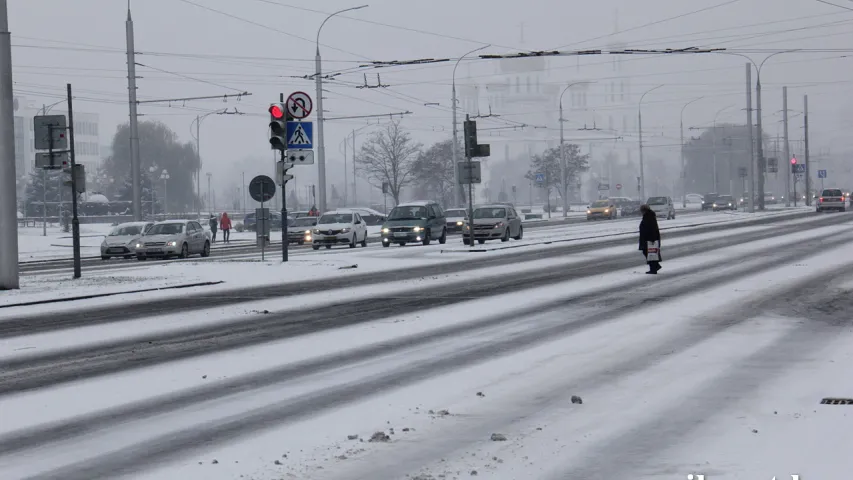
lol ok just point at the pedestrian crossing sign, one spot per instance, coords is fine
(300, 135)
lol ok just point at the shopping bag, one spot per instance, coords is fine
(653, 251)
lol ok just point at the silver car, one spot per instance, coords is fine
(121, 241)
(174, 238)
(494, 222)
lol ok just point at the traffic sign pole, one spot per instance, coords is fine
(285, 243)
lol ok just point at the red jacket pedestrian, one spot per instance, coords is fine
(225, 226)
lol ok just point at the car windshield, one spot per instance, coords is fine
(335, 218)
(657, 201)
(166, 229)
(126, 231)
(600, 203)
(725, 199)
(304, 222)
(489, 213)
(455, 214)
(408, 213)
(832, 192)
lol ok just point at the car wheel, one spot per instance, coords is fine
(427, 237)
(505, 238)
(443, 238)
(205, 252)
(386, 244)
(104, 257)
(185, 251)
(315, 247)
(140, 258)
(481, 241)
(300, 242)
(520, 233)
(352, 244)
(402, 244)
(465, 241)
(364, 241)
(328, 247)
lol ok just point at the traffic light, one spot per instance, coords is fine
(793, 161)
(278, 126)
(470, 128)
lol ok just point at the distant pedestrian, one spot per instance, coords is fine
(225, 226)
(313, 212)
(213, 224)
(649, 232)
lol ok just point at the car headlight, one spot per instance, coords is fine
(386, 230)
(316, 230)
(730, 204)
(171, 244)
(138, 245)
(499, 224)
(588, 212)
(345, 230)
(459, 224)
(715, 204)
(606, 210)
(417, 229)
(307, 232)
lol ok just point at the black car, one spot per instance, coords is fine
(724, 202)
(708, 201)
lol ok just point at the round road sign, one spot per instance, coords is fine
(618, 186)
(262, 188)
(299, 105)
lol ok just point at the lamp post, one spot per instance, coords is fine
(563, 166)
(164, 175)
(457, 187)
(640, 129)
(683, 171)
(318, 78)
(209, 196)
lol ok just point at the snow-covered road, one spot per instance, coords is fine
(714, 367)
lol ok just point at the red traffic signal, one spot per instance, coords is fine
(793, 161)
(277, 111)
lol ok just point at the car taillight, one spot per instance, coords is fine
(821, 199)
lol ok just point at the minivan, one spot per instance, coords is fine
(413, 222)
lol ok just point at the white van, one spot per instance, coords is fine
(662, 206)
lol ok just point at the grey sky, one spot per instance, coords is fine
(221, 47)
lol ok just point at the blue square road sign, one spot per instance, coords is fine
(300, 135)
(821, 174)
(540, 178)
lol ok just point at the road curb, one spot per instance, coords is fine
(101, 295)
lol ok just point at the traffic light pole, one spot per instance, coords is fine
(75, 222)
(284, 240)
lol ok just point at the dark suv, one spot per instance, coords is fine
(708, 201)
(412, 222)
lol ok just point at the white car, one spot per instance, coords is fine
(122, 239)
(174, 238)
(456, 218)
(339, 228)
(662, 206)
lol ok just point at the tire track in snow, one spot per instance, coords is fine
(171, 445)
(39, 371)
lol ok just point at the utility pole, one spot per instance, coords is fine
(762, 162)
(75, 222)
(786, 148)
(9, 279)
(354, 197)
(135, 161)
(209, 192)
(751, 189)
(197, 200)
(563, 180)
(642, 177)
(806, 128)
(456, 187)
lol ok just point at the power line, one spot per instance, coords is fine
(191, 78)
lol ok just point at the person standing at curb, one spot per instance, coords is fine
(649, 232)
(225, 226)
(213, 224)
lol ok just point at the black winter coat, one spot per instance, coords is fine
(649, 231)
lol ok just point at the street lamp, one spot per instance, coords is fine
(197, 136)
(164, 175)
(640, 125)
(321, 148)
(683, 171)
(563, 165)
(457, 187)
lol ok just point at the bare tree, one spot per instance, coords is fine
(433, 172)
(389, 157)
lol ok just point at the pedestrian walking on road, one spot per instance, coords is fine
(649, 232)
(213, 224)
(225, 226)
